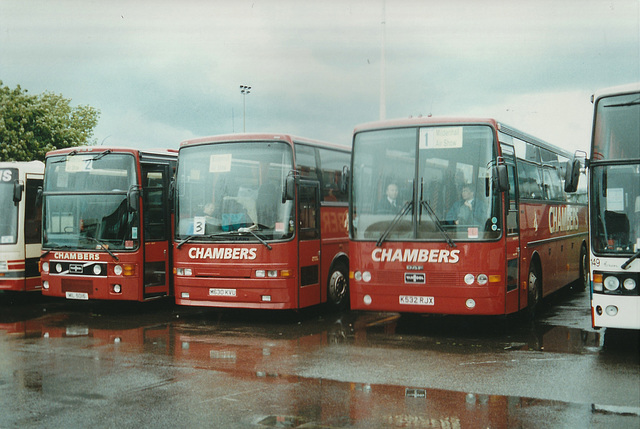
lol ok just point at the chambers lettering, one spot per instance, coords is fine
(437, 256)
(77, 256)
(223, 253)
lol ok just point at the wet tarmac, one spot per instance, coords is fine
(79, 364)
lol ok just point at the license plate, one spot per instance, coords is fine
(77, 295)
(416, 300)
(222, 292)
(76, 331)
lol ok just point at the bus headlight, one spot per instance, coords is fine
(629, 284)
(59, 268)
(97, 270)
(469, 279)
(271, 273)
(45, 267)
(184, 271)
(366, 276)
(357, 275)
(117, 270)
(483, 279)
(45, 284)
(611, 283)
(117, 288)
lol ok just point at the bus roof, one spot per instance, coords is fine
(422, 120)
(247, 137)
(616, 90)
(431, 121)
(26, 166)
(92, 149)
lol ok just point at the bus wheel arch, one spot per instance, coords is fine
(534, 284)
(338, 283)
(583, 282)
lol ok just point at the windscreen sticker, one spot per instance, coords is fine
(199, 223)
(78, 163)
(441, 138)
(220, 163)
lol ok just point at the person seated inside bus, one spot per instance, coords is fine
(468, 210)
(389, 203)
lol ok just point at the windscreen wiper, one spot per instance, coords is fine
(188, 238)
(407, 206)
(64, 158)
(630, 103)
(630, 260)
(101, 154)
(250, 230)
(240, 231)
(433, 215)
(56, 247)
(104, 246)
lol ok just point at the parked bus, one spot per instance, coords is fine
(482, 224)
(107, 224)
(261, 222)
(20, 225)
(614, 204)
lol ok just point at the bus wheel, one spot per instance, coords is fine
(583, 282)
(338, 287)
(535, 289)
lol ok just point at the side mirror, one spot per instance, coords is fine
(345, 179)
(500, 178)
(172, 191)
(39, 196)
(572, 176)
(289, 192)
(17, 191)
(133, 199)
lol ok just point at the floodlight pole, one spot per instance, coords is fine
(244, 90)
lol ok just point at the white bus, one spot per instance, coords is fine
(614, 208)
(20, 225)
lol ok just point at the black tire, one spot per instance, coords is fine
(534, 285)
(583, 282)
(338, 287)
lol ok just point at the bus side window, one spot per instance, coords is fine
(154, 207)
(552, 184)
(512, 213)
(308, 212)
(332, 163)
(33, 212)
(530, 182)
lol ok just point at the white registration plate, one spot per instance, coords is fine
(77, 295)
(416, 300)
(222, 292)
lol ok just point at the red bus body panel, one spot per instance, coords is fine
(443, 268)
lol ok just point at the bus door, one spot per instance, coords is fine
(32, 229)
(156, 229)
(309, 291)
(514, 300)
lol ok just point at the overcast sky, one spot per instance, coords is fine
(164, 71)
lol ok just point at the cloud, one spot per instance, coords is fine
(315, 66)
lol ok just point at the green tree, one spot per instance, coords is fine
(32, 125)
